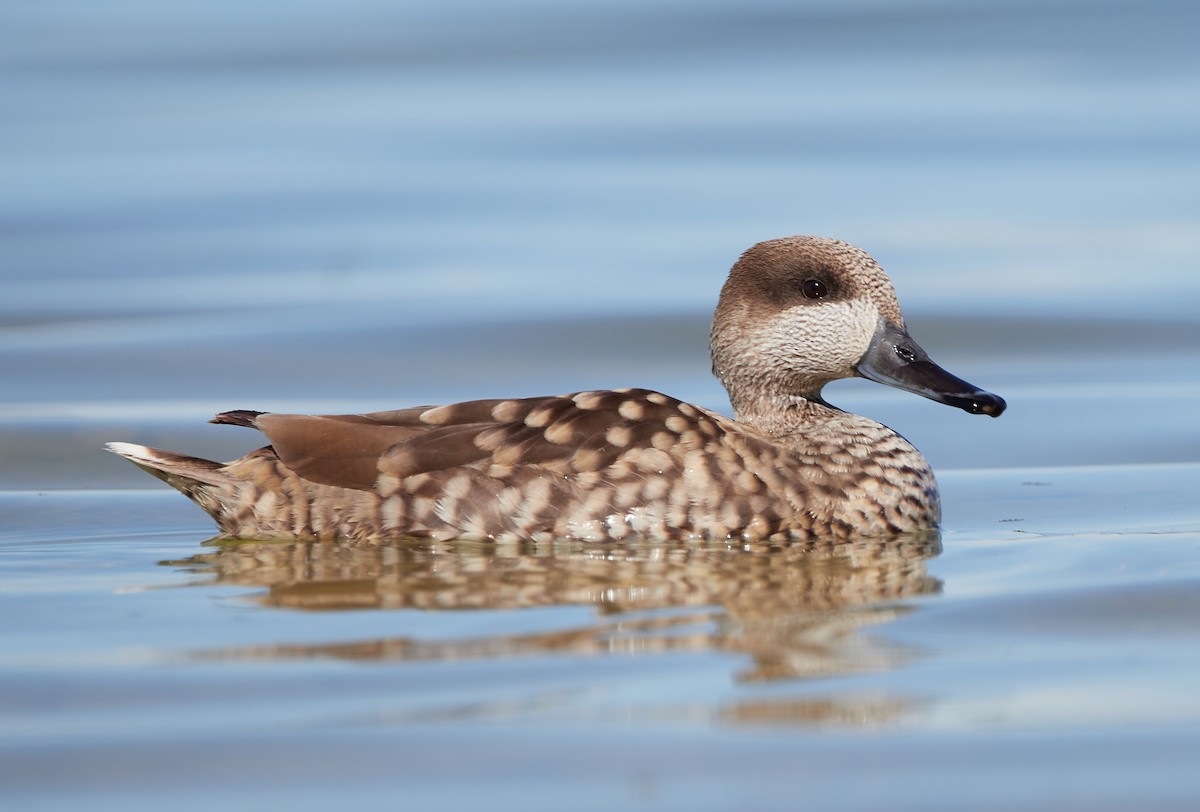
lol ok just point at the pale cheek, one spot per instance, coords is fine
(828, 339)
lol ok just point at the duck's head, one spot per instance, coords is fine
(799, 312)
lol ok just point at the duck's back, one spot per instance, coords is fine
(594, 465)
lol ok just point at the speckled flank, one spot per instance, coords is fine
(609, 465)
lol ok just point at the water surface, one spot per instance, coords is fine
(309, 207)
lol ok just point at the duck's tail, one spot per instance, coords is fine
(192, 476)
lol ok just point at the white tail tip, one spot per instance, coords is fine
(132, 451)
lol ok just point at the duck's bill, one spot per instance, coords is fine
(896, 360)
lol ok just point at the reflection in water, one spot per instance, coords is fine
(795, 609)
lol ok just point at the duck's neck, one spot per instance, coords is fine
(779, 415)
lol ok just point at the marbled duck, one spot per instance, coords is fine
(794, 314)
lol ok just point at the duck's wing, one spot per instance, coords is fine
(585, 431)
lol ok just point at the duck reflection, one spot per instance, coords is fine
(795, 609)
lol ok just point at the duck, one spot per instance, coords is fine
(794, 314)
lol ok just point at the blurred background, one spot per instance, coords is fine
(367, 204)
(363, 205)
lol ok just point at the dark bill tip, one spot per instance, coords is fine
(979, 403)
(896, 360)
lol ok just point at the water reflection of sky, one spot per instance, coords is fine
(299, 205)
(472, 158)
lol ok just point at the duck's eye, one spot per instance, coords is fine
(814, 289)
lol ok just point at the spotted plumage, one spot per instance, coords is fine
(609, 465)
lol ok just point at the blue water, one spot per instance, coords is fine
(363, 205)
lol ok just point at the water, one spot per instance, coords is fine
(362, 206)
